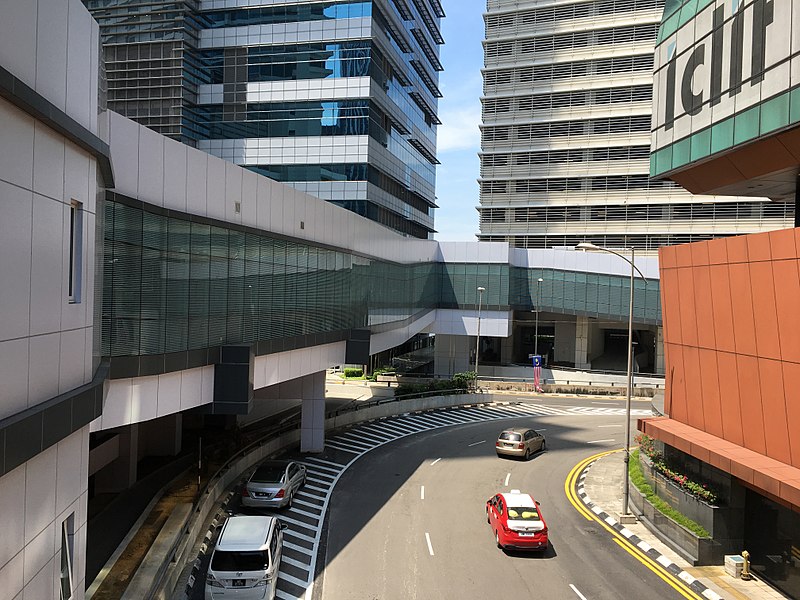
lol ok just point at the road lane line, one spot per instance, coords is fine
(599, 441)
(476, 443)
(434, 462)
(609, 425)
(605, 403)
(428, 539)
(574, 589)
(507, 478)
(538, 430)
(422, 492)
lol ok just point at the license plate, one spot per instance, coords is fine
(261, 494)
(507, 445)
(527, 533)
(238, 582)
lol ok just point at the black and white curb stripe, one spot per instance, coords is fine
(205, 546)
(674, 570)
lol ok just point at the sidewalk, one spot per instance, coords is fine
(603, 486)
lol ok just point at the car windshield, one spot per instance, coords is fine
(510, 436)
(269, 474)
(239, 561)
(524, 513)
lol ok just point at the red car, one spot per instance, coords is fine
(516, 521)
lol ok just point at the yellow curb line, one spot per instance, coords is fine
(569, 489)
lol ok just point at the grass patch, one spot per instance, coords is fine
(637, 479)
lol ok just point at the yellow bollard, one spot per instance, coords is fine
(746, 575)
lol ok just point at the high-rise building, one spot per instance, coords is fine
(337, 99)
(567, 112)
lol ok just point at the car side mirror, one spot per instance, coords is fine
(537, 502)
(283, 526)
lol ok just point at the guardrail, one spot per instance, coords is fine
(575, 382)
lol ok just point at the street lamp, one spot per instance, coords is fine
(478, 341)
(536, 327)
(588, 246)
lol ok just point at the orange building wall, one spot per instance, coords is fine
(731, 313)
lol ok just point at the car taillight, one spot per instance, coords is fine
(543, 531)
(280, 493)
(497, 443)
(520, 445)
(505, 528)
(245, 494)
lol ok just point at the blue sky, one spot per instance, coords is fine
(460, 111)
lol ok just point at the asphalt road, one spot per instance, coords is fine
(388, 538)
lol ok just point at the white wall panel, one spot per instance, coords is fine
(15, 260)
(51, 39)
(80, 87)
(16, 145)
(18, 39)
(196, 188)
(151, 166)
(43, 377)
(46, 265)
(124, 143)
(169, 394)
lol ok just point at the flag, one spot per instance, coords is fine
(537, 372)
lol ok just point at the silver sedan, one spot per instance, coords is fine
(273, 484)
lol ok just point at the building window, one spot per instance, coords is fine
(75, 250)
(67, 554)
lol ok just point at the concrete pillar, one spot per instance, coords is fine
(452, 354)
(507, 350)
(660, 366)
(312, 424)
(121, 473)
(582, 339)
(161, 437)
(564, 349)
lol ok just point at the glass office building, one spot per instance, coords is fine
(337, 99)
(567, 112)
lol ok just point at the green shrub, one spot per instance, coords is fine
(637, 479)
(353, 372)
(380, 371)
(464, 381)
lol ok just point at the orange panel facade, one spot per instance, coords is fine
(732, 342)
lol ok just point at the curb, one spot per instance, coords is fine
(205, 548)
(673, 569)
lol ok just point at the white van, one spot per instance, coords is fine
(244, 564)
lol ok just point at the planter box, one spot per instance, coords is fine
(723, 523)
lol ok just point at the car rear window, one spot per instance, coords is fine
(524, 513)
(225, 560)
(269, 474)
(510, 436)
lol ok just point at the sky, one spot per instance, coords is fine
(458, 139)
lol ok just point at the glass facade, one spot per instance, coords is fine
(362, 72)
(176, 283)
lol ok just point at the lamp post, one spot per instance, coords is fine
(536, 327)
(478, 340)
(587, 246)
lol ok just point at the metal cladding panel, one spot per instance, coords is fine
(732, 371)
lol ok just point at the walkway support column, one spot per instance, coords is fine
(582, 343)
(312, 424)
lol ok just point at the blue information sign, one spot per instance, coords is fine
(537, 360)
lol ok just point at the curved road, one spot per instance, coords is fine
(390, 538)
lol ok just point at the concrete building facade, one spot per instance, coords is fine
(565, 148)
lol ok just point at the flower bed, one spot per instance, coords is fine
(699, 490)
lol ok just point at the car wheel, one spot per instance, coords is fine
(488, 520)
(527, 454)
(290, 501)
(497, 540)
(544, 445)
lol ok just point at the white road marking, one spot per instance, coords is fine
(428, 539)
(538, 430)
(609, 425)
(475, 443)
(599, 441)
(605, 403)
(574, 589)
(434, 462)
(422, 492)
(508, 476)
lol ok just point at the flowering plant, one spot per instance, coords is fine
(700, 490)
